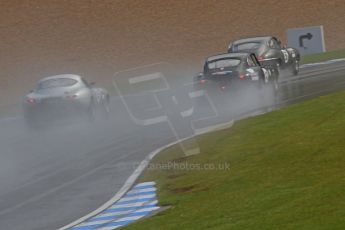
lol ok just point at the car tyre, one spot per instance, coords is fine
(106, 109)
(90, 113)
(295, 68)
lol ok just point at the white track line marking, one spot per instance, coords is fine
(143, 78)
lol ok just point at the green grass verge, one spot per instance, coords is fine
(323, 56)
(286, 172)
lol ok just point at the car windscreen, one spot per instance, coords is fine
(223, 63)
(246, 46)
(56, 83)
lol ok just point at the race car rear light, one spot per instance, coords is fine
(69, 95)
(242, 76)
(223, 87)
(30, 100)
(203, 81)
(260, 58)
(72, 96)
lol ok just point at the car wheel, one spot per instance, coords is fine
(274, 84)
(90, 113)
(295, 68)
(276, 79)
(105, 109)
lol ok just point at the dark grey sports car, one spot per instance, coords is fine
(269, 51)
(63, 96)
(230, 71)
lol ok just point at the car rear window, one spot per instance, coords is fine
(246, 46)
(224, 63)
(55, 83)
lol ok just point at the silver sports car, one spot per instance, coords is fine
(269, 51)
(64, 96)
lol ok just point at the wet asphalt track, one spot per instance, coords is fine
(53, 177)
